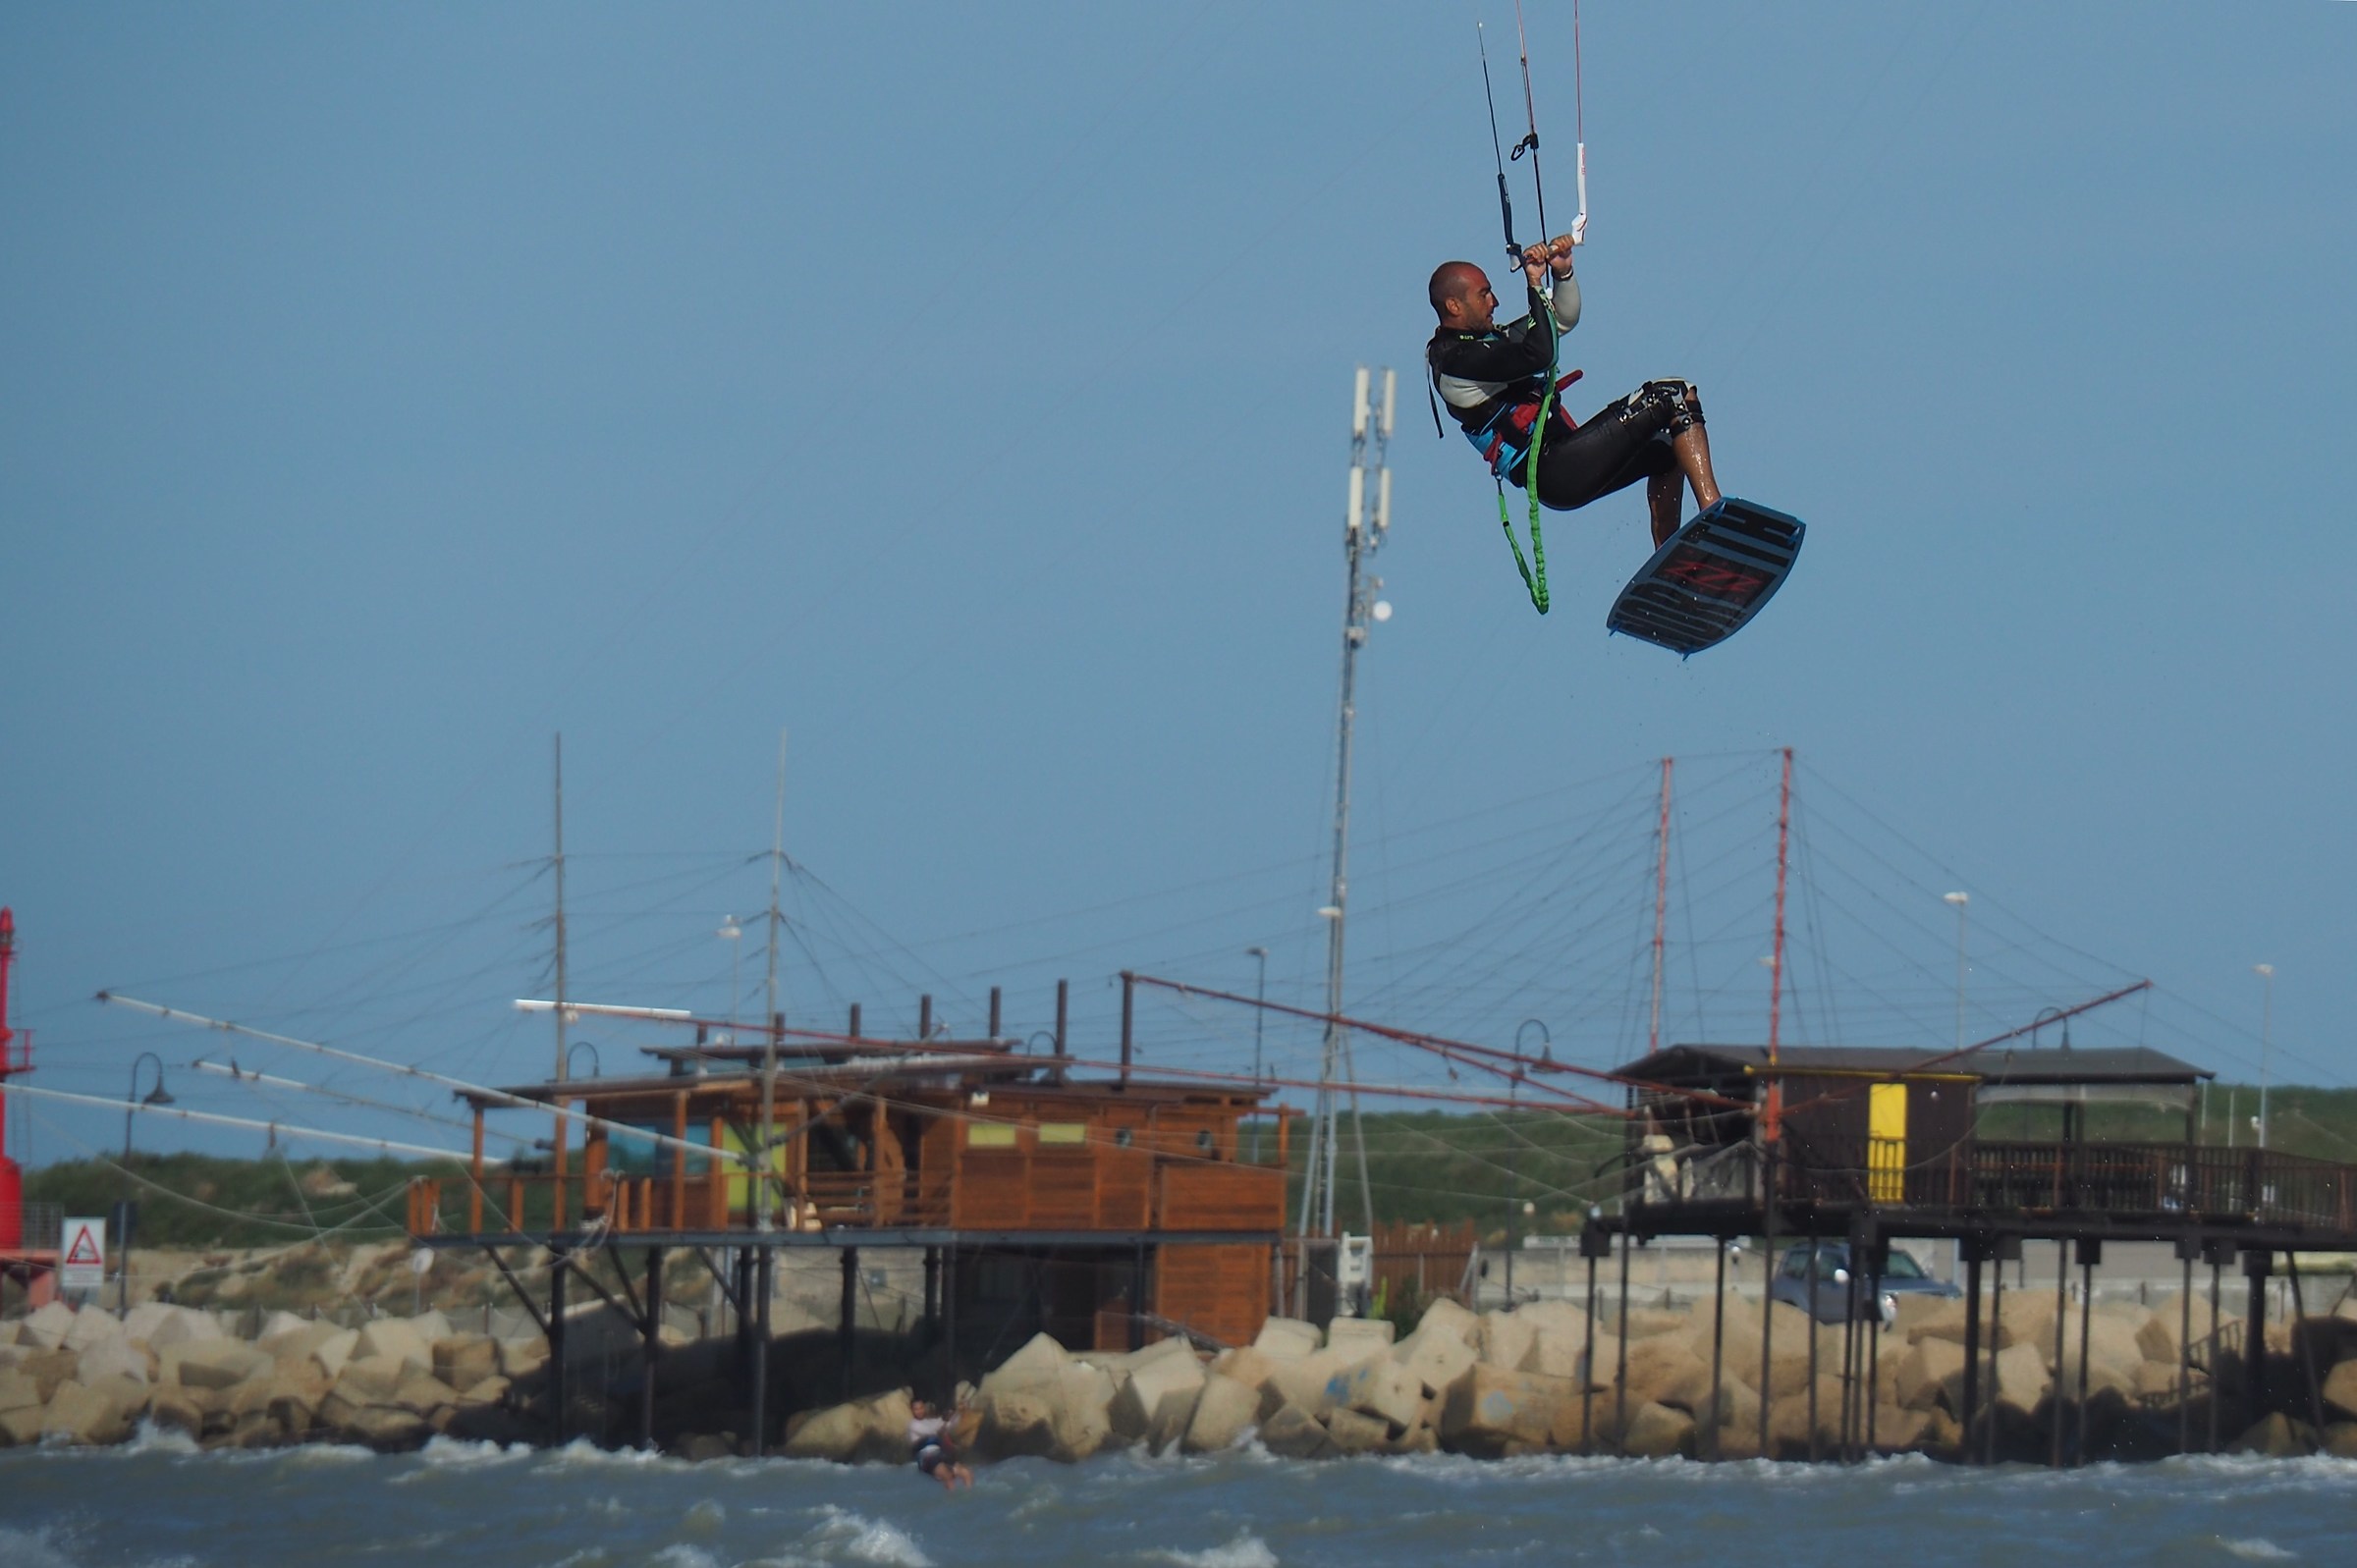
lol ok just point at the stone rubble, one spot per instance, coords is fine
(1496, 1385)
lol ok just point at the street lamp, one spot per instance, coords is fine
(1513, 1148)
(2267, 1030)
(730, 931)
(1961, 901)
(157, 1096)
(1260, 998)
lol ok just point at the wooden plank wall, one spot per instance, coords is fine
(1219, 1290)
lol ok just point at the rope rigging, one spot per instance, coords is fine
(1533, 568)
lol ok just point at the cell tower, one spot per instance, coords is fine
(1363, 535)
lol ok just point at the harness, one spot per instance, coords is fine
(1507, 438)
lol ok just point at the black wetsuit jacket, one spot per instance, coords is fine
(1481, 375)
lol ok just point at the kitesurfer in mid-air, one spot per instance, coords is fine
(1494, 380)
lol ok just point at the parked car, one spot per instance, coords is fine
(1902, 1275)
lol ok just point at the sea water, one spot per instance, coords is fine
(158, 1501)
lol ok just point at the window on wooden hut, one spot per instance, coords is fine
(1062, 1132)
(990, 1135)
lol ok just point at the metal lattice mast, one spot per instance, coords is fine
(1364, 531)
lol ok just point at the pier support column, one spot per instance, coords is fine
(933, 1293)
(2053, 1457)
(2217, 1253)
(2190, 1246)
(653, 1348)
(763, 1265)
(847, 1321)
(1973, 1247)
(2306, 1342)
(2003, 1250)
(1877, 1259)
(556, 1354)
(1628, 1242)
(2257, 1264)
(2091, 1253)
(1850, 1357)
(1718, 1348)
(1814, 1455)
(742, 1267)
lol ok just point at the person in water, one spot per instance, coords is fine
(1493, 379)
(929, 1445)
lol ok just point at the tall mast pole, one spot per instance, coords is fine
(1661, 908)
(558, 861)
(1776, 963)
(1363, 535)
(769, 1035)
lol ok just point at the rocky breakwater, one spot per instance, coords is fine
(1506, 1384)
(89, 1378)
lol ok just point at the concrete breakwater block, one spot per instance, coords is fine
(1344, 1333)
(864, 1432)
(1496, 1413)
(1153, 1395)
(210, 1363)
(1286, 1339)
(1223, 1414)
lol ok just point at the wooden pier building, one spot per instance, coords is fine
(1105, 1211)
(1867, 1146)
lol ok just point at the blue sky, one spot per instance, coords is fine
(964, 390)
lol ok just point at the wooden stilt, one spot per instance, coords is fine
(653, 1347)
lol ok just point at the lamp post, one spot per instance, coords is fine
(1960, 902)
(730, 931)
(127, 1210)
(1514, 1152)
(2266, 1031)
(157, 1096)
(1260, 996)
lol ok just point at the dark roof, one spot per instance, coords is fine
(1685, 1065)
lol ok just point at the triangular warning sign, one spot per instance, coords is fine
(84, 1248)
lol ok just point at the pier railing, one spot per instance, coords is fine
(2173, 1179)
(1052, 1189)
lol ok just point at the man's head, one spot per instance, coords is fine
(1461, 297)
(921, 1408)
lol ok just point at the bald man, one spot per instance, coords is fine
(1492, 378)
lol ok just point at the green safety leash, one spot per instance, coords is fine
(1534, 571)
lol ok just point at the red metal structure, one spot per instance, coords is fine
(15, 1056)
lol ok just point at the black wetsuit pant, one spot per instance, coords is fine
(1625, 441)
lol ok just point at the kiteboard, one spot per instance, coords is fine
(1713, 576)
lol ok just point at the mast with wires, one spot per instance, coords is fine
(1363, 535)
(1773, 1120)
(1661, 908)
(769, 1035)
(557, 862)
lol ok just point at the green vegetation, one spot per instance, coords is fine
(204, 1201)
